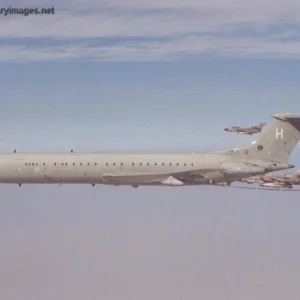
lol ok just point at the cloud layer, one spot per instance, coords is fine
(146, 31)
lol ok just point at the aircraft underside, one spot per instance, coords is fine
(123, 180)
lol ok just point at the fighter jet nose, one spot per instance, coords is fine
(226, 129)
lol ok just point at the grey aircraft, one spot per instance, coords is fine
(246, 130)
(269, 153)
(288, 180)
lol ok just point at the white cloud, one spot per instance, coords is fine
(167, 28)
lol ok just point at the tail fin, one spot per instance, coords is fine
(261, 125)
(277, 143)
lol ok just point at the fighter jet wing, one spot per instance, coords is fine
(280, 179)
(263, 178)
(282, 184)
(246, 130)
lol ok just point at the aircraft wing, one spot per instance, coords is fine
(184, 177)
(195, 176)
(245, 129)
(282, 184)
(252, 179)
(280, 179)
(240, 129)
(114, 177)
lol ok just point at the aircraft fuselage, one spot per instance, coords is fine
(121, 169)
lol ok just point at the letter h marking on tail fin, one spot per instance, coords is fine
(279, 133)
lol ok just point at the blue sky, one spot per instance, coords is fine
(142, 76)
(158, 106)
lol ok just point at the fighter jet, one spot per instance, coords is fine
(246, 130)
(275, 180)
(254, 179)
(270, 153)
(280, 185)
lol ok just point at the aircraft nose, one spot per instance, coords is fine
(226, 129)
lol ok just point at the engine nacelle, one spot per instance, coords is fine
(243, 169)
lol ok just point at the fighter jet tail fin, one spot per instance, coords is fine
(261, 125)
(277, 143)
